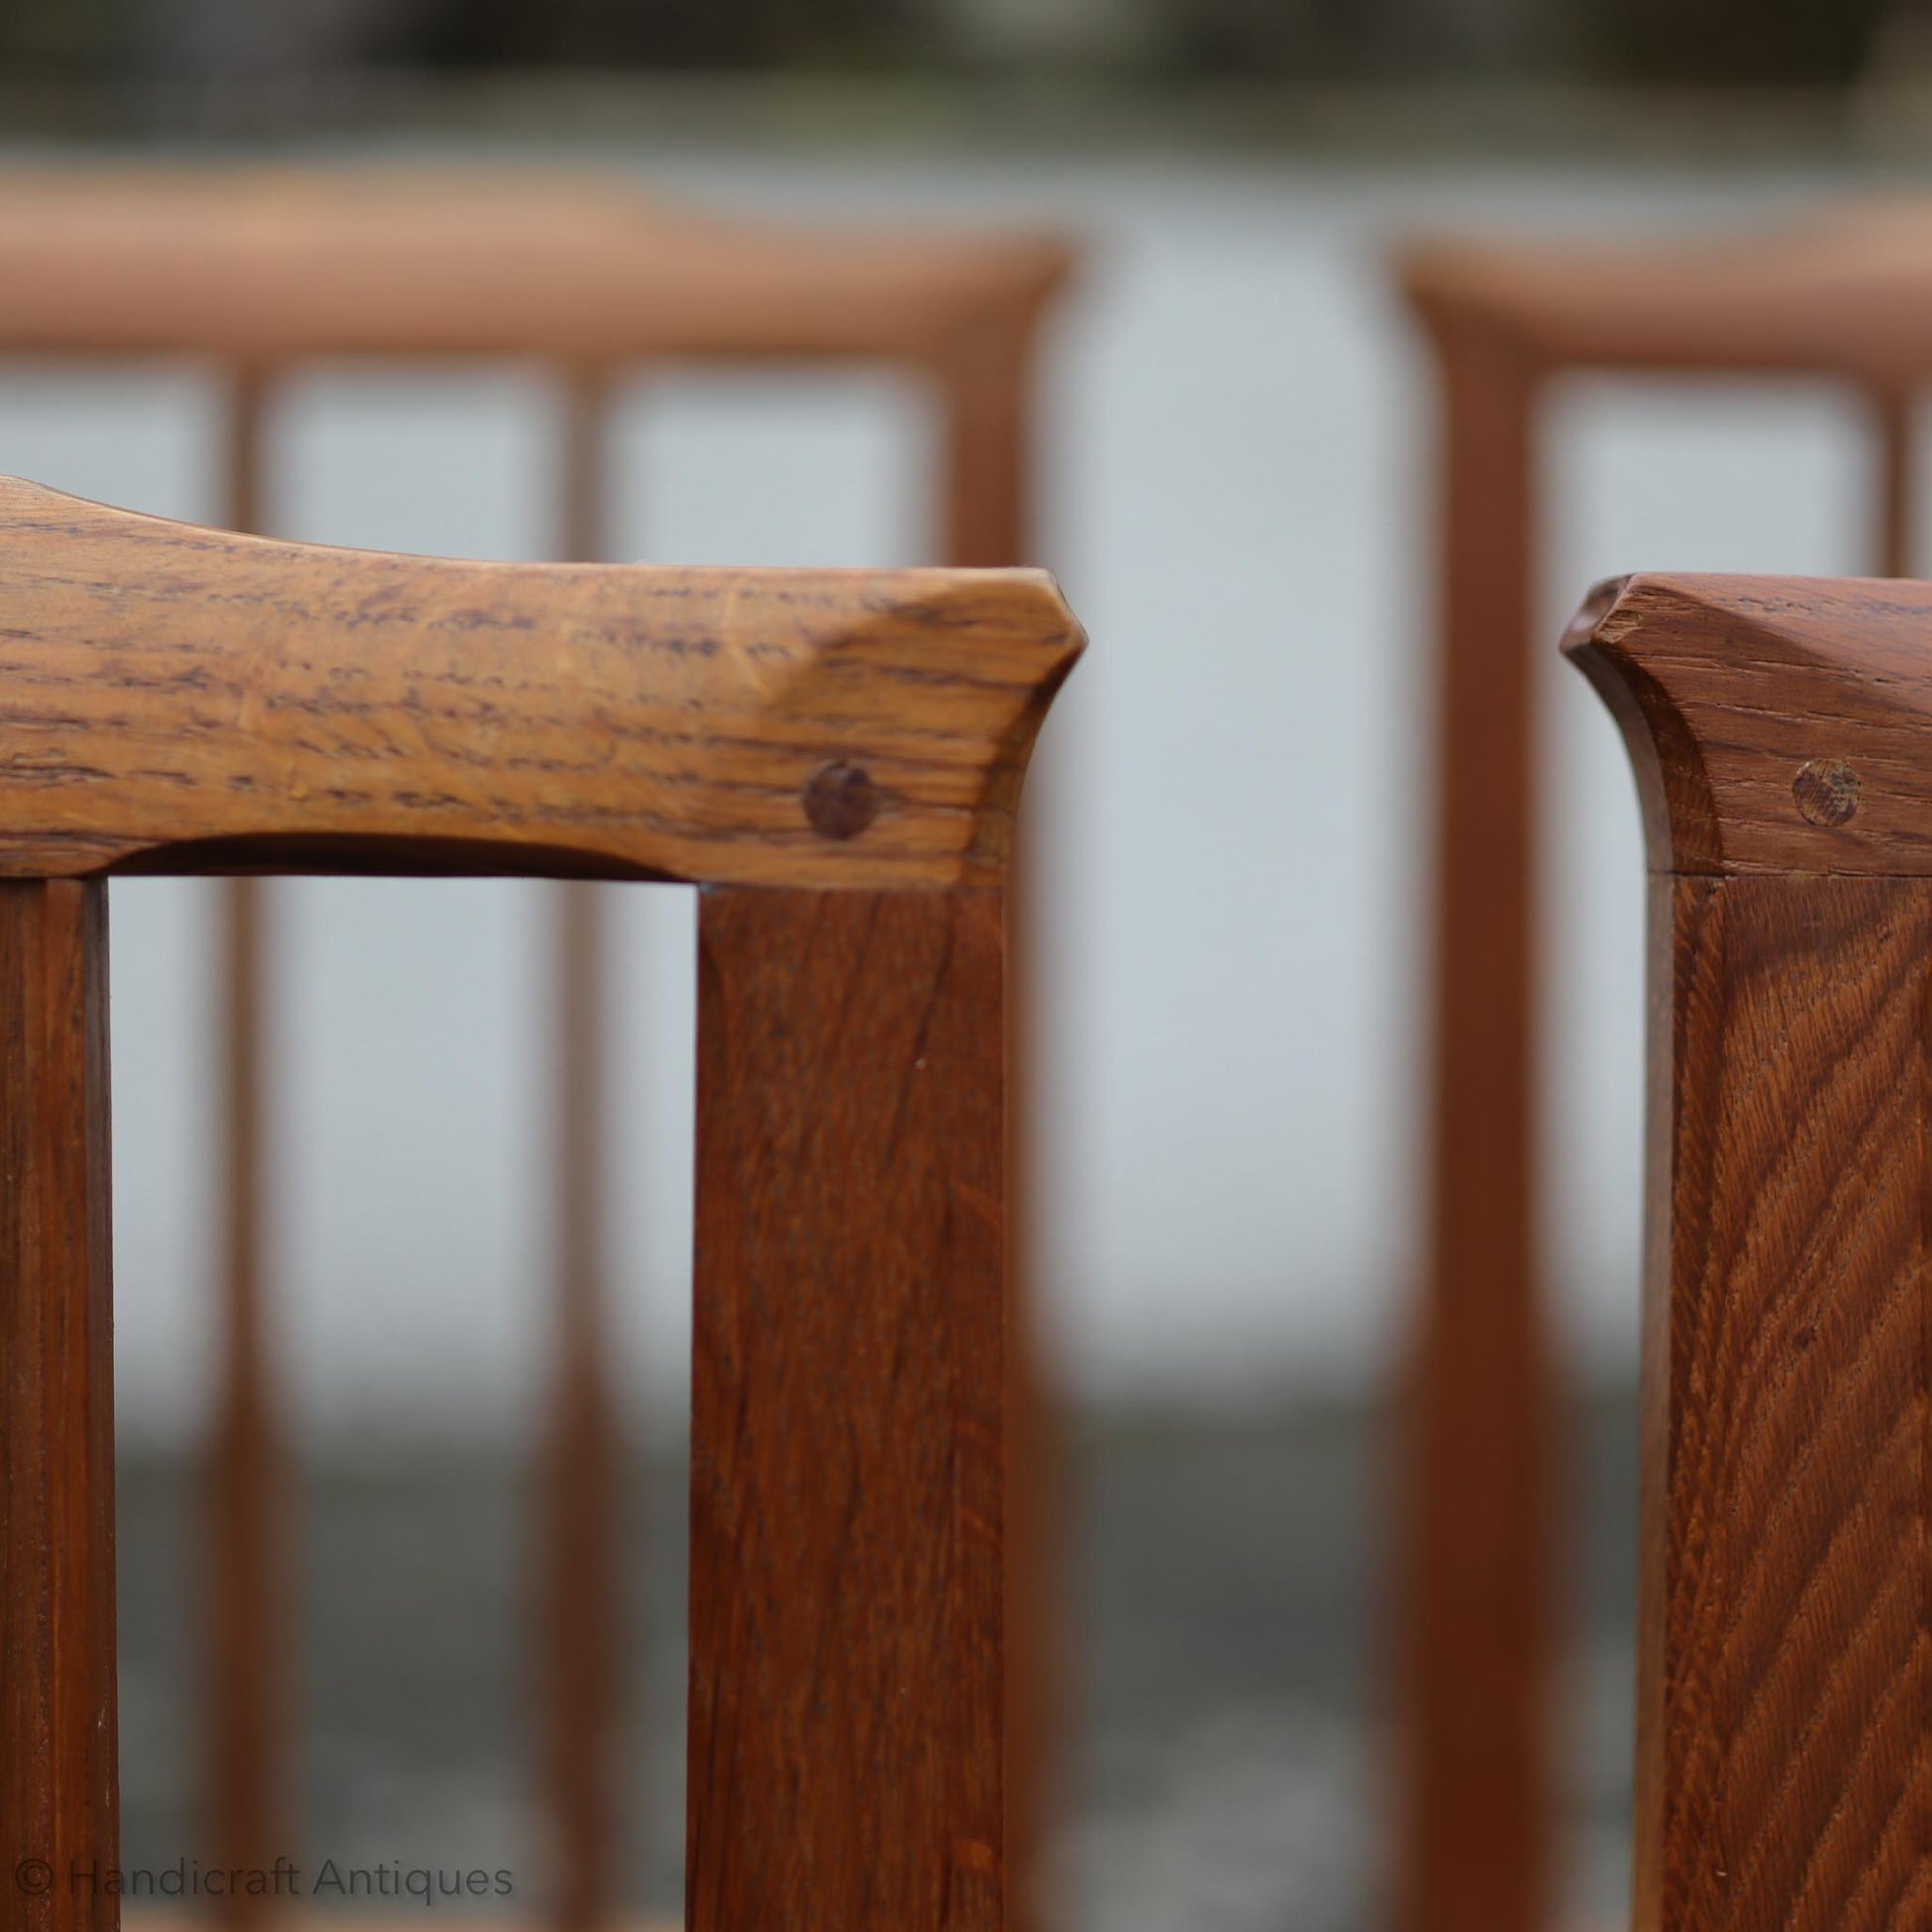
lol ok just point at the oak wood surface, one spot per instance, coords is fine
(163, 686)
(1783, 1775)
(986, 474)
(1778, 721)
(263, 267)
(1846, 297)
(59, 1787)
(1783, 1779)
(848, 1467)
(852, 1294)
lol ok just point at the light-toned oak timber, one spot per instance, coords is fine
(280, 705)
(264, 267)
(1778, 724)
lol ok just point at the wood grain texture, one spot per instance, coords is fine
(1477, 1460)
(1785, 1681)
(265, 266)
(59, 1792)
(1777, 724)
(1784, 1778)
(845, 1713)
(287, 705)
(1848, 299)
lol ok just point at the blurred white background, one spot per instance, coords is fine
(1232, 800)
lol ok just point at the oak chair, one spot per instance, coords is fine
(1852, 302)
(835, 757)
(1781, 732)
(261, 272)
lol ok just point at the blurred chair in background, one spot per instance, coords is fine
(1850, 301)
(1781, 731)
(261, 271)
(836, 757)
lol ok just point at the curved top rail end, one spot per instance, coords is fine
(1778, 724)
(180, 699)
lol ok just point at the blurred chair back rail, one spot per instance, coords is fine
(1852, 301)
(263, 270)
(1783, 735)
(849, 1679)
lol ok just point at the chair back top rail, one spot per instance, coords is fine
(266, 266)
(181, 698)
(1775, 724)
(1851, 297)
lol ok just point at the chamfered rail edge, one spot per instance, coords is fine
(1777, 724)
(181, 699)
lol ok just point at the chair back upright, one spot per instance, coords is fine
(835, 757)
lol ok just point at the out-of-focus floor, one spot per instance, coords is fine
(1227, 1629)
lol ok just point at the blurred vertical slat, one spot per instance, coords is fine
(986, 513)
(58, 1784)
(1479, 1519)
(1898, 481)
(581, 1679)
(846, 1746)
(246, 1693)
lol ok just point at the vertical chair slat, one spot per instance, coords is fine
(985, 473)
(1897, 482)
(1783, 1771)
(580, 1667)
(1477, 1511)
(846, 1703)
(984, 413)
(1782, 737)
(59, 1833)
(250, 1771)
(1846, 299)
(848, 1605)
(579, 1612)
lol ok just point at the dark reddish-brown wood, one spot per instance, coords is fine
(60, 1827)
(985, 496)
(1784, 1778)
(846, 1588)
(1849, 300)
(1475, 1545)
(1785, 1679)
